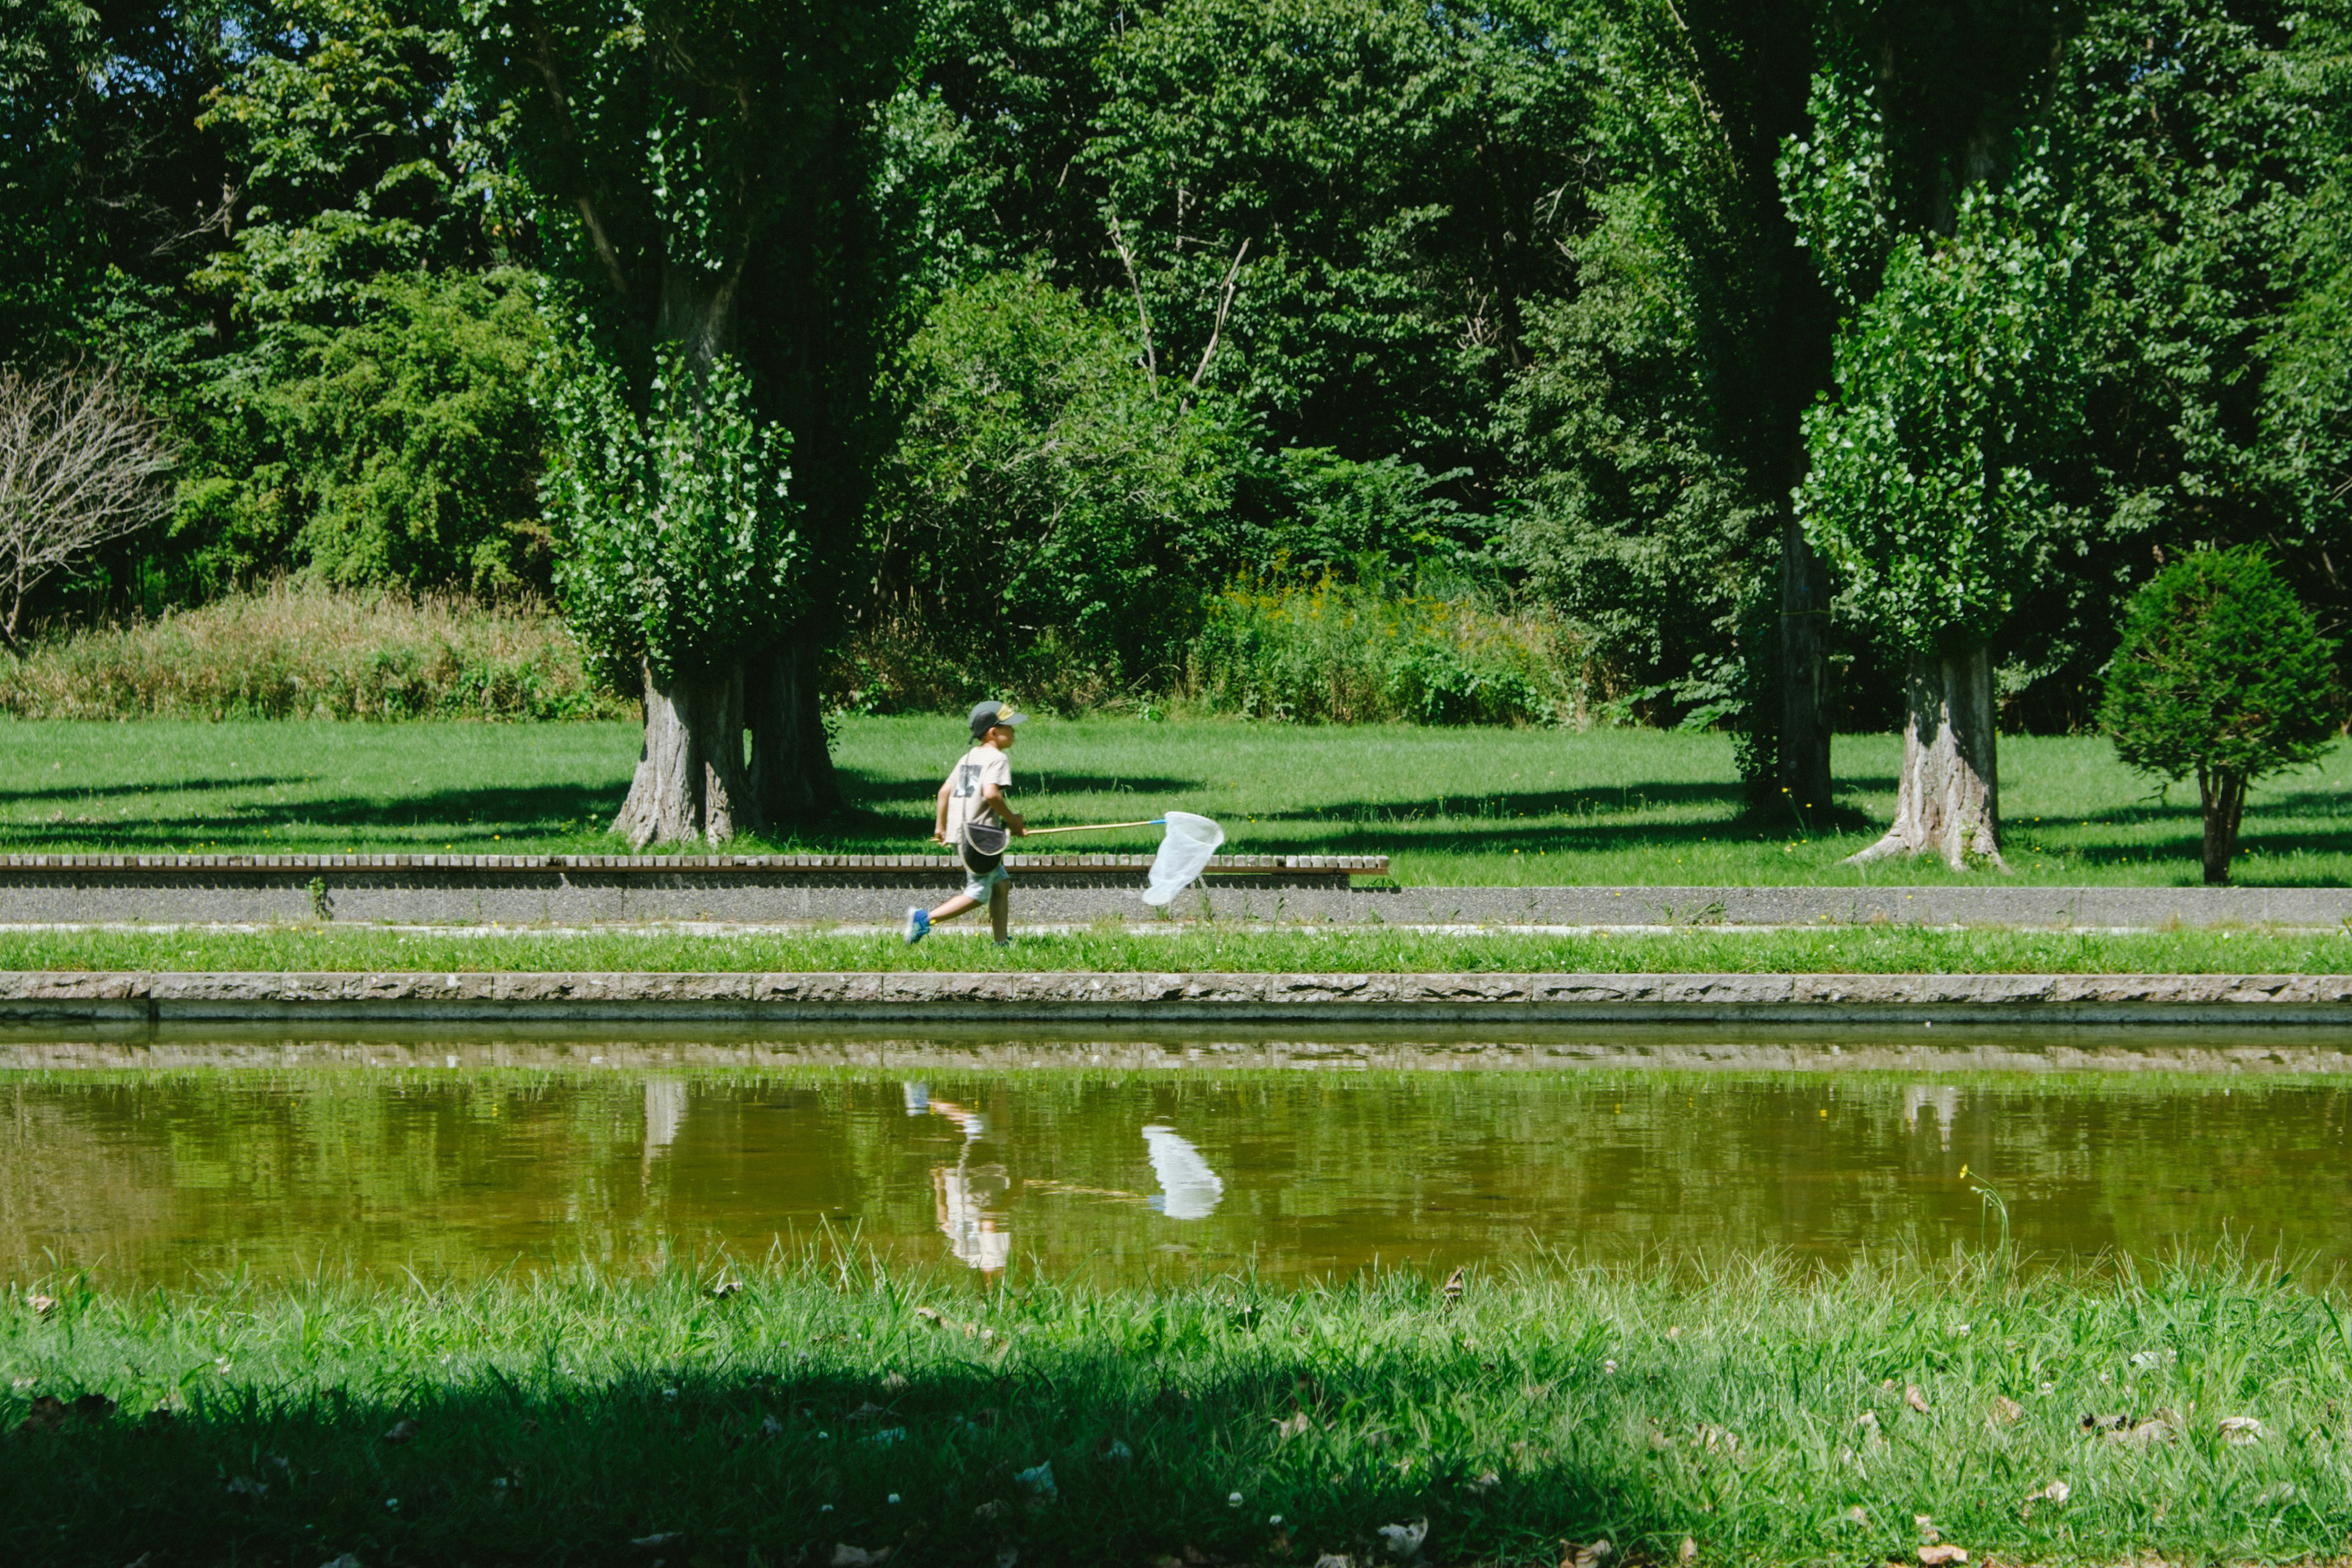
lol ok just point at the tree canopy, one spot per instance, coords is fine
(1761, 347)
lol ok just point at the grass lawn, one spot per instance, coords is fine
(820, 1414)
(1528, 806)
(1851, 950)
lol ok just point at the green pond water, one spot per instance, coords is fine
(156, 1161)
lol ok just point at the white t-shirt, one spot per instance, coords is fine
(980, 767)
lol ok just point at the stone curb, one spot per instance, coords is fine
(1298, 890)
(1147, 997)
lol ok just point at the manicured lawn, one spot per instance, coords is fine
(1530, 806)
(1739, 1414)
(1851, 950)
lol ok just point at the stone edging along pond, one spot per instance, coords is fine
(985, 999)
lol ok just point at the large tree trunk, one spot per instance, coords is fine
(792, 766)
(690, 781)
(1948, 802)
(2223, 795)
(1805, 673)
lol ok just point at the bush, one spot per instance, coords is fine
(2222, 673)
(303, 651)
(401, 451)
(1049, 503)
(1365, 652)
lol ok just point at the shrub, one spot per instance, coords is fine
(1365, 652)
(399, 450)
(1045, 490)
(2223, 673)
(299, 650)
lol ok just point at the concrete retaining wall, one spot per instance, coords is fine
(990, 999)
(1050, 890)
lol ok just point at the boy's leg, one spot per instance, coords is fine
(960, 904)
(1000, 909)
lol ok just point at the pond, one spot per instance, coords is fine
(154, 1160)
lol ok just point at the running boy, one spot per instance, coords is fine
(974, 819)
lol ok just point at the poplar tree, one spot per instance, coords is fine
(707, 177)
(1955, 263)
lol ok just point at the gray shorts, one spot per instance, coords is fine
(977, 886)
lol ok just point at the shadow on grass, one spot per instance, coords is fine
(176, 786)
(1084, 1458)
(1571, 821)
(860, 786)
(515, 809)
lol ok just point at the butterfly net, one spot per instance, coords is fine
(1183, 855)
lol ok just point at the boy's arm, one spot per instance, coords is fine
(940, 816)
(993, 798)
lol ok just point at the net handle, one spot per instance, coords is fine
(1096, 827)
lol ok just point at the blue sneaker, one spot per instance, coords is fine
(919, 924)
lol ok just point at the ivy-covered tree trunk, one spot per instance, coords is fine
(2222, 791)
(792, 766)
(1948, 800)
(690, 780)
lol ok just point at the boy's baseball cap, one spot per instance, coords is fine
(989, 715)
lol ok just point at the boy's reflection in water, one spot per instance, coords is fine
(966, 1194)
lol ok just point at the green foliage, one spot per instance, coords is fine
(2222, 672)
(1315, 512)
(2307, 396)
(1644, 526)
(1328, 651)
(1651, 429)
(1955, 378)
(1335, 210)
(300, 651)
(53, 257)
(398, 449)
(1043, 488)
(707, 182)
(676, 532)
(359, 155)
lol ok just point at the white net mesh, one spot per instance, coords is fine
(1184, 853)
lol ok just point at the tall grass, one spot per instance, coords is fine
(1741, 1413)
(299, 650)
(1369, 651)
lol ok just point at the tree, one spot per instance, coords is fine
(1703, 332)
(706, 174)
(357, 152)
(401, 449)
(680, 552)
(2223, 673)
(1956, 375)
(2307, 392)
(1645, 524)
(1338, 210)
(80, 464)
(1044, 498)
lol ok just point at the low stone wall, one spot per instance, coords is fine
(1007, 998)
(590, 889)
